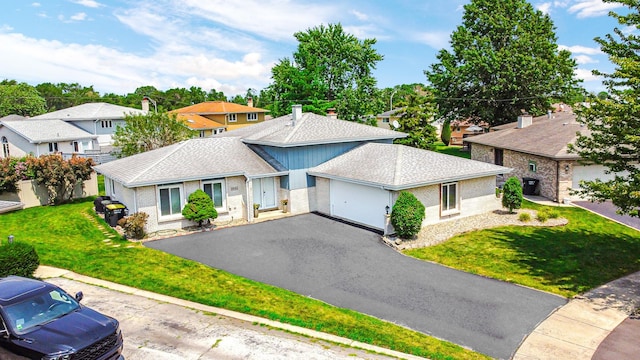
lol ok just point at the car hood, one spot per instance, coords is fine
(73, 331)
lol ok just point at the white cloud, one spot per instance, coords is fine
(585, 59)
(365, 32)
(592, 8)
(272, 19)
(579, 49)
(88, 3)
(79, 16)
(36, 4)
(545, 7)
(110, 70)
(437, 39)
(587, 75)
(360, 16)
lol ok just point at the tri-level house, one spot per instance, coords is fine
(214, 117)
(100, 119)
(317, 163)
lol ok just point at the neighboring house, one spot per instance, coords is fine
(462, 129)
(536, 148)
(214, 117)
(201, 124)
(40, 137)
(100, 119)
(385, 120)
(317, 163)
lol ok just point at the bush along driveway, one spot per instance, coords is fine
(350, 268)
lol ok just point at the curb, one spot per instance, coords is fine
(46, 272)
(576, 330)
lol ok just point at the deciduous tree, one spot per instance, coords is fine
(613, 139)
(147, 132)
(503, 58)
(329, 66)
(20, 99)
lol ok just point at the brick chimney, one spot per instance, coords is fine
(331, 113)
(145, 104)
(250, 102)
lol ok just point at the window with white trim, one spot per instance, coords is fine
(170, 199)
(216, 191)
(5, 147)
(232, 117)
(202, 133)
(449, 195)
(252, 117)
(53, 147)
(533, 167)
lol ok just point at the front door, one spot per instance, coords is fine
(264, 192)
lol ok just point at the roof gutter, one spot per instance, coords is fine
(393, 187)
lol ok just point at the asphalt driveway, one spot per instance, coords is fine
(608, 210)
(350, 267)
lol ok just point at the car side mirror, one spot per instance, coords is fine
(79, 296)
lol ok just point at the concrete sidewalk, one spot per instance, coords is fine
(576, 330)
(46, 272)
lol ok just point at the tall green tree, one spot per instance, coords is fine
(504, 58)
(20, 99)
(415, 120)
(147, 132)
(613, 122)
(329, 66)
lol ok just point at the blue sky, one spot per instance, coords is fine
(228, 45)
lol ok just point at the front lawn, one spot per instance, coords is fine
(567, 260)
(452, 150)
(72, 237)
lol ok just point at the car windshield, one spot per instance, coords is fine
(38, 310)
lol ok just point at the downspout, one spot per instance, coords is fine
(249, 204)
(557, 181)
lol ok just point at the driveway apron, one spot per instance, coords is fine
(349, 267)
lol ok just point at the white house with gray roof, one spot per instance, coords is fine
(40, 137)
(100, 119)
(317, 163)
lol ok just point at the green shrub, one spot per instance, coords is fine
(407, 215)
(512, 194)
(18, 258)
(524, 217)
(553, 214)
(133, 225)
(445, 134)
(199, 207)
(542, 216)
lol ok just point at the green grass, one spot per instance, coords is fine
(71, 237)
(568, 260)
(101, 185)
(452, 150)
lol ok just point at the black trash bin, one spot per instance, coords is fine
(99, 203)
(113, 213)
(529, 186)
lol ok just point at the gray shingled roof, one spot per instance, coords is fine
(311, 129)
(91, 111)
(399, 167)
(192, 159)
(42, 131)
(546, 136)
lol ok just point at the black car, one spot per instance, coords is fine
(39, 320)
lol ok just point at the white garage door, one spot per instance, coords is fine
(589, 173)
(358, 203)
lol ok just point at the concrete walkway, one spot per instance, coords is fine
(576, 330)
(46, 272)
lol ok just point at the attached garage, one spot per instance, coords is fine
(588, 173)
(359, 203)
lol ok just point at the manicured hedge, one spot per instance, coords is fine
(18, 258)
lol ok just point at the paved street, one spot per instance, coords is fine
(350, 267)
(161, 330)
